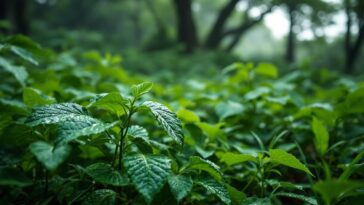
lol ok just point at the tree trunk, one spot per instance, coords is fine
(186, 30)
(290, 49)
(215, 37)
(21, 16)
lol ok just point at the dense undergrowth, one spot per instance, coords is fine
(79, 129)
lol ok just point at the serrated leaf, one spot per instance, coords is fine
(105, 174)
(231, 158)
(321, 136)
(148, 173)
(169, 121)
(180, 186)
(101, 197)
(202, 164)
(137, 131)
(113, 102)
(24, 54)
(72, 130)
(56, 113)
(140, 89)
(51, 157)
(18, 72)
(301, 197)
(33, 97)
(215, 188)
(282, 157)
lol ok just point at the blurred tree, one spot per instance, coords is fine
(354, 10)
(186, 29)
(187, 34)
(298, 11)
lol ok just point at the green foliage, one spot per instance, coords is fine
(76, 129)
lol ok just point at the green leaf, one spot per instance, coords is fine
(202, 164)
(282, 157)
(188, 116)
(140, 89)
(51, 157)
(211, 130)
(169, 121)
(24, 54)
(180, 186)
(148, 173)
(113, 102)
(267, 69)
(105, 174)
(137, 131)
(56, 113)
(215, 188)
(335, 189)
(257, 201)
(72, 130)
(237, 197)
(321, 136)
(301, 197)
(230, 108)
(18, 72)
(231, 158)
(33, 97)
(101, 197)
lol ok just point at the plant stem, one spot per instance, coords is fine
(124, 132)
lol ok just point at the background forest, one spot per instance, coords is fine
(246, 102)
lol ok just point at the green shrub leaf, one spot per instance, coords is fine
(180, 186)
(321, 136)
(56, 113)
(169, 121)
(148, 173)
(140, 89)
(105, 174)
(282, 157)
(100, 197)
(202, 164)
(51, 157)
(215, 188)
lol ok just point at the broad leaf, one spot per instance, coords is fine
(24, 54)
(321, 136)
(148, 173)
(282, 157)
(56, 113)
(202, 164)
(33, 97)
(101, 197)
(105, 174)
(231, 158)
(18, 72)
(188, 116)
(257, 201)
(113, 102)
(140, 89)
(215, 188)
(267, 69)
(51, 157)
(180, 186)
(237, 197)
(72, 130)
(169, 121)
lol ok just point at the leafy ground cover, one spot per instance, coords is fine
(77, 128)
